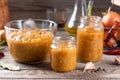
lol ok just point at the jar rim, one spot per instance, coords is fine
(64, 38)
(94, 19)
(20, 22)
(66, 41)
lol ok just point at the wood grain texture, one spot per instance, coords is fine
(43, 71)
(37, 8)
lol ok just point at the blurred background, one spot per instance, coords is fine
(21, 9)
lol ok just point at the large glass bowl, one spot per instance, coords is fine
(27, 43)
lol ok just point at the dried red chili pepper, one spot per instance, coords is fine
(112, 52)
(110, 40)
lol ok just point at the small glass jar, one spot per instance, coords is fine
(90, 35)
(63, 54)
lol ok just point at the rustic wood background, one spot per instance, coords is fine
(20, 9)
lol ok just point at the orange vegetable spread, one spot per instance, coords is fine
(29, 45)
(89, 44)
(63, 58)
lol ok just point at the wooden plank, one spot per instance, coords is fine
(20, 9)
(43, 70)
(48, 74)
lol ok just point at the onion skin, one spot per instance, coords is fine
(110, 18)
(2, 35)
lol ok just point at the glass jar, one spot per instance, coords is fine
(59, 15)
(63, 54)
(90, 35)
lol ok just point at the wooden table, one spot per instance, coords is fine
(109, 70)
(20, 9)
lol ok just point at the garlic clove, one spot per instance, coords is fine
(89, 66)
(117, 59)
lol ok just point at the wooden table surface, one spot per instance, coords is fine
(44, 72)
(20, 9)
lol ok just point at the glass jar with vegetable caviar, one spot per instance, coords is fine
(90, 39)
(63, 54)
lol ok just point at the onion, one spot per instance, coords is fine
(110, 18)
(2, 35)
